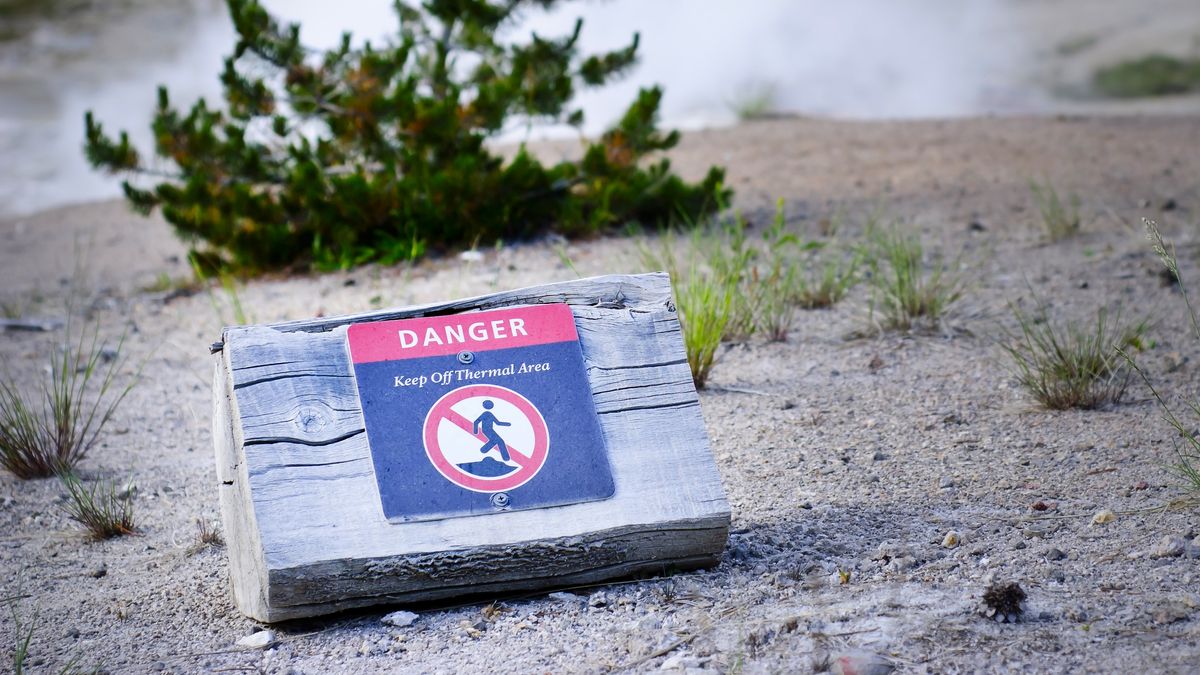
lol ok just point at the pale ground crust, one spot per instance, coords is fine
(838, 453)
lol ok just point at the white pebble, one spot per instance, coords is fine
(259, 640)
(400, 619)
(1169, 547)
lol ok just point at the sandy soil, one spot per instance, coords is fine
(845, 458)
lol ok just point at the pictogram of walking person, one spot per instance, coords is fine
(489, 423)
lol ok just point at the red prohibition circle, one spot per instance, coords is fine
(529, 466)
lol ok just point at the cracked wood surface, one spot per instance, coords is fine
(306, 531)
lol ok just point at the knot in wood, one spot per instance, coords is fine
(311, 419)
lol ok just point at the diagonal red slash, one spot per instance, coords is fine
(466, 425)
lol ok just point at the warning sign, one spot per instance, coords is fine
(480, 454)
(478, 413)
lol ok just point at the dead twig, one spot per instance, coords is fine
(661, 652)
(35, 325)
(740, 390)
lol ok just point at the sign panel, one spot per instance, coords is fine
(477, 413)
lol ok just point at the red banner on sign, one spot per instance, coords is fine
(442, 335)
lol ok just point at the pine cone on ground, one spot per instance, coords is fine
(1004, 602)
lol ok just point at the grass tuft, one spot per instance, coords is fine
(50, 432)
(704, 298)
(1060, 219)
(828, 271)
(726, 251)
(729, 286)
(705, 305)
(903, 292)
(772, 285)
(1187, 454)
(229, 310)
(23, 633)
(1153, 75)
(105, 510)
(207, 534)
(827, 281)
(1066, 365)
(756, 100)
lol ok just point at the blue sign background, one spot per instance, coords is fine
(411, 488)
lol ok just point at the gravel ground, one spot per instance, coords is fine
(848, 460)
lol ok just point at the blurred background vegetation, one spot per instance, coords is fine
(724, 62)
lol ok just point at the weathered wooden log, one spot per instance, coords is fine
(305, 531)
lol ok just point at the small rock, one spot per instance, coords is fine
(1036, 532)
(859, 663)
(680, 662)
(902, 564)
(740, 551)
(400, 619)
(470, 256)
(946, 482)
(648, 623)
(99, 571)
(878, 456)
(1174, 360)
(468, 629)
(1141, 485)
(598, 599)
(1055, 554)
(787, 404)
(1169, 204)
(1103, 517)
(564, 597)
(1040, 505)
(259, 640)
(1171, 611)
(952, 539)
(976, 226)
(1169, 547)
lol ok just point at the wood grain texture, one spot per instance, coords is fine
(307, 532)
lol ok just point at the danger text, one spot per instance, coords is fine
(479, 331)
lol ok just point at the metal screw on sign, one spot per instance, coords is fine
(465, 357)
(500, 500)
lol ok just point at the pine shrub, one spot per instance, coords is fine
(379, 153)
